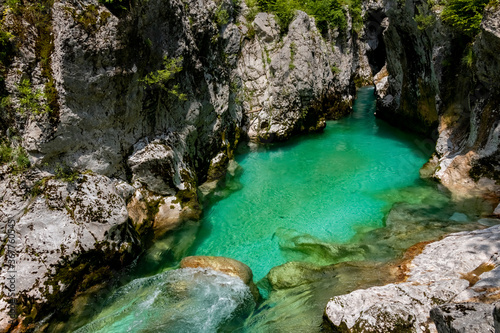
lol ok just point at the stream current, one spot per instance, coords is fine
(335, 206)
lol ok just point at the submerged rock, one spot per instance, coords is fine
(463, 267)
(463, 317)
(183, 300)
(293, 274)
(225, 265)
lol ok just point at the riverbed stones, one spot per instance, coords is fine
(463, 267)
(463, 317)
(225, 265)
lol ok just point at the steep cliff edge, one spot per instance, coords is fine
(112, 116)
(439, 81)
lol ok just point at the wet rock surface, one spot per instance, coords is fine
(225, 265)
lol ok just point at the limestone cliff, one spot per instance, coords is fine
(112, 116)
(439, 82)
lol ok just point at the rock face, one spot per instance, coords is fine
(69, 232)
(463, 317)
(225, 265)
(428, 87)
(292, 83)
(496, 318)
(126, 110)
(463, 267)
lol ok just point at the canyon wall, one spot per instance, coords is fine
(113, 115)
(441, 83)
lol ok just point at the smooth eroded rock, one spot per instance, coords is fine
(225, 265)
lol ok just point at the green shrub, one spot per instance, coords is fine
(469, 58)
(31, 100)
(21, 159)
(221, 16)
(17, 158)
(464, 15)
(327, 13)
(424, 21)
(253, 10)
(162, 77)
(5, 153)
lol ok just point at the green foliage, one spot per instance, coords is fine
(38, 16)
(162, 77)
(469, 58)
(355, 9)
(21, 159)
(334, 69)
(465, 15)
(327, 13)
(65, 173)
(424, 21)
(17, 158)
(425, 18)
(89, 18)
(5, 153)
(31, 100)
(253, 10)
(221, 15)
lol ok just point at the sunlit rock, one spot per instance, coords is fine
(225, 265)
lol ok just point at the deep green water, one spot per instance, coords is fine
(323, 187)
(352, 193)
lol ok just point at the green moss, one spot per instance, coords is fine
(89, 18)
(65, 173)
(38, 15)
(31, 100)
(39, 186)
(21, 160)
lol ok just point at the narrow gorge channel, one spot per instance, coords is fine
(337, 206)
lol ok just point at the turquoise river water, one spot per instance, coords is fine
(339, 204)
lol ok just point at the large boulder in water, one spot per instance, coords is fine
(225, 265)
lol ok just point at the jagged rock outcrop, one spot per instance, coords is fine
(463, 267)
(292, 83)
(70, 231)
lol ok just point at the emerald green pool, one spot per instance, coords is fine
(349, 194)
(323, 187)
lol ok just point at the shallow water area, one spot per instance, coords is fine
(317, 216)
